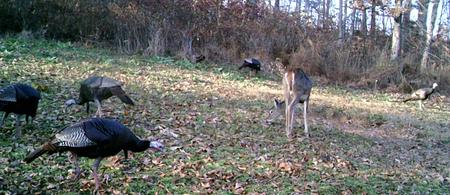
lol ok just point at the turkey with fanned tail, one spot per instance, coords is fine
(95, 138)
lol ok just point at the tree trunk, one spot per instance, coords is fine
(345, 17)
(372, 19)
(327, 11)
(277, 5)
(448, 20)
(396, 32)
(363, 25)
(429, 35)
(437, 19)
(422, 17)
(341, 22)
(406, 25)
(324, 14)
(352, 27)
(298, 6)
(307, 7)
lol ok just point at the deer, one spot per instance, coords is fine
(296, 89)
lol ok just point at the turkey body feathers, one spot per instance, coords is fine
(92, 138)
(252, 64)
(421, 94)
(118, 91)
(8, 94)
(101, 88)
(19, 99)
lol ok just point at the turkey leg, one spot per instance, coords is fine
(18, 131)
(99, 108)
(4, 119)
(74, 159)
(94, 170)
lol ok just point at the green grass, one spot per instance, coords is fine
(360, 142)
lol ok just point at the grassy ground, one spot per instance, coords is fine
(211, 119)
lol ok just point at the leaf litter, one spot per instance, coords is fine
(211, 123)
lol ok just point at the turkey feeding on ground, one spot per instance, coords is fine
(251, 63)
(198, 58)
(96, 89)
(421, 95)
(95, 138)
(19, 99)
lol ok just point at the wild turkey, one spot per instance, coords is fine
(96, 89)
(421, 95)
(19, 99)
(198, 58)
(251, 63)
(94, 138)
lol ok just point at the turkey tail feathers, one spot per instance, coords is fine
(33, 155)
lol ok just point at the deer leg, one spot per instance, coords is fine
(292, 105)
(292, 116)
(287, 112)
(94, 172)
(99, 108)
(305, 115)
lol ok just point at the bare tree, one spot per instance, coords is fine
(431, 31)
(352, 26)
(429, 27)
(396, 31)
(327, 10)
(307, 7)
(298, 6)
(373, 18)
(363, 24)
(277, 5)
(341, 22)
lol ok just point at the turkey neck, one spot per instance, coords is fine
(140, 146)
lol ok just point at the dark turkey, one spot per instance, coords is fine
(19, 99)
(252, 63)
(94, 138)
(421, 95)
(198, 58)
(96, 89)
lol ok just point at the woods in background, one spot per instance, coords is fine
(344, 40)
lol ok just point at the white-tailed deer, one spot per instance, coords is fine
(296, 88)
